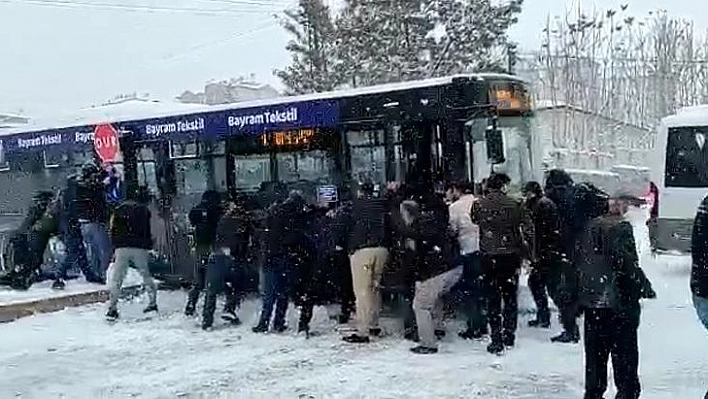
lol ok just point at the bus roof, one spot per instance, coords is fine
(688, 116)
(184, 109)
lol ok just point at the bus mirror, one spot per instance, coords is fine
(495, 146)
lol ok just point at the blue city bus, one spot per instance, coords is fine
(324, 140)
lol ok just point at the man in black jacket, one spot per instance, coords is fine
(130, 231)
(70, 230)
(369, 240)
(546, 252)
(505, 231)
(226, 267)
(30, 240)
(611, 283)
(92, 212)
(286, 247)
(699, 271)
(561, 189)
(436, 268)
(204, 219)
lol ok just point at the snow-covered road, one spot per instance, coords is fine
(75, 354)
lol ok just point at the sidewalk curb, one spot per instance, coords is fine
(13, 311)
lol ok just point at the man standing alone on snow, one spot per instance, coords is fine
(504, 227)
(699, 272)
(130, 232)
(611, 283)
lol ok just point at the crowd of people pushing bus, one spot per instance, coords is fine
(580, 250)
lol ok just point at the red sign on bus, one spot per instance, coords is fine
(105, 142)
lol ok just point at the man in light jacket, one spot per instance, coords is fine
(467, 234)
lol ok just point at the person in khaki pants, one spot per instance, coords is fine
(369, 239)
(367, 267)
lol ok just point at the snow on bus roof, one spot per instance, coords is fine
(179, 109)
(688, 116)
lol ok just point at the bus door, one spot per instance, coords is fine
(416, 148)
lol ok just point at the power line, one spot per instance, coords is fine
(239, 35)
(241, 2)
(113, 6)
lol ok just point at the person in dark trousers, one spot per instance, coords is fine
(545, 271)
(699, 270)
(401, 269)
(30, 241)
(92, 213)
(320, 279)
(560, 189)
(653, 221)
(132, 239)
(436, 271)
(611, 283)
(204, 219)
(368, 245)
(226, 267)
(505, 231)
(70, 229)
(467, 235)
(286, 250)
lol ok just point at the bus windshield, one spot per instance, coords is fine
(687, 157)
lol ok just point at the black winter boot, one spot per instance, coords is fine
(58, 284)
(424, 350)
(567, 337)
(261, 328)
(150, 308)
(508, 339)
(112, 314)
(356, 339)
(495, 348)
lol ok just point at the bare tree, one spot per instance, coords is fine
(619, 67)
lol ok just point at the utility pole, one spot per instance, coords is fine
(511, 55)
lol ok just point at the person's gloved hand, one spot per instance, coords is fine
(649, 293)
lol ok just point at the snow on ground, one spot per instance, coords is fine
(43, 290)
(75, 354)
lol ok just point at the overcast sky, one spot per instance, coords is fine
(60, 55)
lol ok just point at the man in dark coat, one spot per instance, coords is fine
(436, 269)
(320, 279)
(132, 238)
(505, 231)
(70, 230)
(204, 219)
(699, 270)
(611, 283)
(560, 189)
(400, 273)
(92, 212)
(226, 268)
(286, 249)
(368, 245)
(30, 240)
(545, 271)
